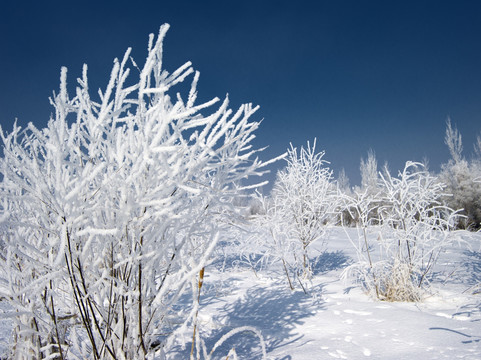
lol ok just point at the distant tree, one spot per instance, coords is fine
(454, 142)
(464, 191)
(343, 182)
(369, 172)
(462, 179)
(477, 149)
(369, 193)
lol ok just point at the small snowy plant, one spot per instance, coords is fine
(303, 204)
(110, 212)
(414, 229)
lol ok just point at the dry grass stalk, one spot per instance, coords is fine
(199, 287)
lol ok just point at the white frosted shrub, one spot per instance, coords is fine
(302, 205)
(397, 257)
(110, 212)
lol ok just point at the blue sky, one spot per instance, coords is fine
(355, 74)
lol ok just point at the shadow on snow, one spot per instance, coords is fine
(330, 261)
(274, 312)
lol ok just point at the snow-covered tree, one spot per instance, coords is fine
(343, 183)
(464, 191)
(303, 204)
(109, 213)
(368, 194)
(369, 172)
(477, 148)
(453, 140)
(462, 179)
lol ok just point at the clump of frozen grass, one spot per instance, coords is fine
(389, 281)
(397, 284)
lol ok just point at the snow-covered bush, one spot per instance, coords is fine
(303, 203)
(414, 229)
(110, 212)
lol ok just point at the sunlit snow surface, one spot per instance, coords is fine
(336, 320)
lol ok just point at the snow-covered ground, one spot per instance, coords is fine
(336, 320)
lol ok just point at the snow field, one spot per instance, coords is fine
(336, 319)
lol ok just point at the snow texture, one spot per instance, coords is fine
(337, 319)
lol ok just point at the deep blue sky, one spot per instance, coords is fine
(355, 74)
